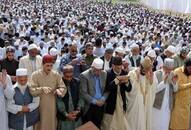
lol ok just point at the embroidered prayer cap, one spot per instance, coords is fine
(184, 50)
(32, 46)
(47, 59)
(21, 72)
(97, 63)
(120, 50)
(146, 63)
(169, 63)
(53, 52)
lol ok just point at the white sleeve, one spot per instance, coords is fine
(35, 103)
(12, 107)
(160, 62)
(160, 86)
(9, 90)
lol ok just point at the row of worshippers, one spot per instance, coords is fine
(120, 27)
(99, 96)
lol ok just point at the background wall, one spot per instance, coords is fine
(182, 6)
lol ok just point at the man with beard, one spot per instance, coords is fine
(141, 98)
(73, 59)
(180, 117)
(179, 59)
(164, 95)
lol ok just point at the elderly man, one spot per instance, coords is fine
(23, 108)
(142, 96)
(181, 57)
(135, 57)
(107, 59)
(31, 62)
(73, 59)
(69, 107)
(116, 105)
(92, 87)
(6, 92)
(164, 95)
(180, 117)
(46, 84)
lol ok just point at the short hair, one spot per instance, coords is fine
(67, 69)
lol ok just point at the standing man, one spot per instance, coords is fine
(10, 64)
(6, 91)
(32, 61)
(47, 84)
(23, 108)
(142, 96)
(69, 107)
(116, 106)
(92, 86)
(180, 58)
(180, 117)
(107, 59)
(165, 90)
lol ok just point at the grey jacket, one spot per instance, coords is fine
(87, 86)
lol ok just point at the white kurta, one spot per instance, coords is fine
(118, 120)
(138, 111)
(161, 118)
(13, 108)
(8, 93)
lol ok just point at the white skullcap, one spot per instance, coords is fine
(171, 49)
(32, 46)
(134, 45)
(16, 43)
(169, 63)
(21, 72)
(97, 63)
(152, 54)
(157, 49)
(120, 50)
(53, 52)
(22, 35)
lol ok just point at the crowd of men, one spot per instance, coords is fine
(67, 62)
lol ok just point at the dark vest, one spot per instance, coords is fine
(138, 61)
(16, 121)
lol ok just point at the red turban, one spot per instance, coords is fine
(47, 59)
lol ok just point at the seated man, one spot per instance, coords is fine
(69, 107)
(23, 108)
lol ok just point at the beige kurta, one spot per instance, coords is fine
(180, 116)
(53, 80)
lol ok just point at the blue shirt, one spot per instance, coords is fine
(98, 94)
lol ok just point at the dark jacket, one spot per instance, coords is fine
(111, 87)
(75, 93)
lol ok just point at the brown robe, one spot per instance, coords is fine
(47, 106)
